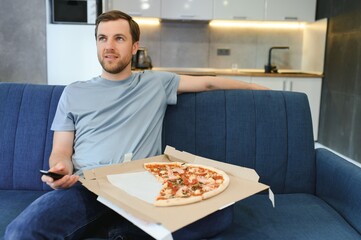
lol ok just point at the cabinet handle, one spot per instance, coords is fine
(239, 17)
(287, 85)
(291, 18)
(187, 16)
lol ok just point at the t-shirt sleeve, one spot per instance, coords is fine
(62, 119)
(170, 83)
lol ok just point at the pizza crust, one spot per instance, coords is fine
(177, 201)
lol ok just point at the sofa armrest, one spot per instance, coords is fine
(338, 182)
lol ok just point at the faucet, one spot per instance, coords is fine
(269, 68)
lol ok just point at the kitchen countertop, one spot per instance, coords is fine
(239, 72)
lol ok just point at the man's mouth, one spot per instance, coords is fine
(110, 56)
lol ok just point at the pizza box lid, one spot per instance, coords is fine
(243, 183)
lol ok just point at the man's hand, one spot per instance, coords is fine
(60, 161)
(65, 182)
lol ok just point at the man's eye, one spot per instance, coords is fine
(120, 39)
(101, 39)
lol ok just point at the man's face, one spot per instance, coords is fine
(114, 45)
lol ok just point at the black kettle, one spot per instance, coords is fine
(141, 59)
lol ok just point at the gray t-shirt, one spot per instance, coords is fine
(113, 118)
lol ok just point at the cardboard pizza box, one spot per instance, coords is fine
(159, 222)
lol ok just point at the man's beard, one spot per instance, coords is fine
(115, 67)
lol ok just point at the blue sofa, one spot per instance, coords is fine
(317, 193)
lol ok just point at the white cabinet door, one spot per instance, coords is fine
(290, 10)
(312, 88)
(187, 9)
(137, 8)
(274, 83)
(239, 9)
(64, 43)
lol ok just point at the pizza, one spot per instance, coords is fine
(185, 183)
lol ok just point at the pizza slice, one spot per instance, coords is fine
(184, 183)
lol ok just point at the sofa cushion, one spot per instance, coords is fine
(296, 216)
(12, 203)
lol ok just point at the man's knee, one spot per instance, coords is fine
(27, 225)
(16, 230)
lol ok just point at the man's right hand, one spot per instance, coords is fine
(65, 182)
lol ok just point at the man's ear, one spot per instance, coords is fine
(135, 47)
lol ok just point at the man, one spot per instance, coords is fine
(99, 121)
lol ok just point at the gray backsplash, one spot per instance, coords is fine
(23, 41)
(195, 44)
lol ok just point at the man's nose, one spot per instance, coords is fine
(110, 44)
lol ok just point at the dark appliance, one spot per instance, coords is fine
(141, 59)
(75, 11)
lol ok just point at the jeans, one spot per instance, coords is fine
(75, 213)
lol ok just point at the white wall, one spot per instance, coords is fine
(314, 45)
(71, 53)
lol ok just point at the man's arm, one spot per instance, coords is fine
(207, 83)
(60, 161)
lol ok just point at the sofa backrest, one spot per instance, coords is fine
(269, 131)
(26, 113)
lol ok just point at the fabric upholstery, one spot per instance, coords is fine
(296, 217)
(26, 112)
(339, 184)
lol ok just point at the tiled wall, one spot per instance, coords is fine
(22, 41)
(341, 94)
(195, 44)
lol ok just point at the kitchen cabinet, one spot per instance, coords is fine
(310, 86)
(239, 9)
(290, 10)
(138, 8)
(187, 9)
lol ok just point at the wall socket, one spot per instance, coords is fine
(223, 52)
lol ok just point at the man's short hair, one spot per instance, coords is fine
(115, 15)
